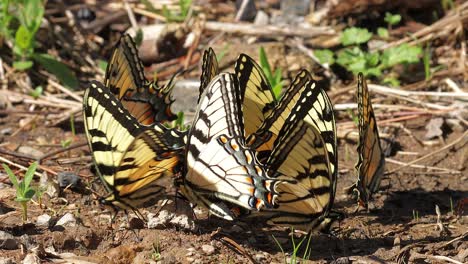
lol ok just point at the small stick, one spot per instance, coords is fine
(464, 136)
(268, 30)
(422, 166)
(385, 90)
(53, 153)
(131, 15)
(65, 90)
(416, 255)
(17, 154)
(17, 165)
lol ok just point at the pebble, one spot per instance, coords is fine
(31, 258)
(208, 249)
(6, 131)
(30, 151)
(236, 229)
(8, 241)
(67, 220)
(159, 221)
(260, 257)
(184, 222)
(6, 260)
(43, 220)
(261, 19)
(66, 178)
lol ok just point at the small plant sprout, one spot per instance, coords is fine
(392, 19)
(184, 6)
(273, 78)
(296, 248)
(24, 192)
(415, 215)
(156, 254)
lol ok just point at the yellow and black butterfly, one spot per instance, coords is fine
(134, 161)
(210, 69)
(304, 156)
(371, 159)
(256, 93)
(221, 172)
(125, 78)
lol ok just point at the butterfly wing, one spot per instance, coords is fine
(133, 161)
(300, 152)
(262, 140)
(125, 78)
(220, 170)
(256, 94)
(371, 159)
(209, 70)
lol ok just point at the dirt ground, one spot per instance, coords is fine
(401, 226)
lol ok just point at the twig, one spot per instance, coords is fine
(131, 15)
(50, 154)
(422, 166)
(17, 165)
(385, 90)
(416, 255)
(269, 30)
(464, 136)
(17, 154)
(65, 90)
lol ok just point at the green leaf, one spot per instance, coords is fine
(349, 56)
(102, 64)
(325, 56)
(22, 199)
(23, 39)
(36, 92)
(22, 65)
(59, 69)
(355, 35)
(372, 59)
(65, 143)
(383, 33)
(392, 81)
(11, 176)
(403, 53)
(265, 64)
(32, 15)
(28, 176)
(392, 19)
(29, 194)
(373, 72)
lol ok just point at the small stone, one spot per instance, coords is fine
(236, 229)
(136, 223)
(208, 249)
(31, 258)
(184, 222)
(67, 220)
(6, 131)
(159, 221)
(43, 220)
(261, 19)
(66, 178)
(190, 259)
(191, 249)
(30, 151)
(260, 257)
(8, 241)
(6, 260)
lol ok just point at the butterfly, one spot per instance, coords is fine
(125, 78)
(304, 149)
(220, 170)
(210, 69)
(371, 159)
(135, 162)
(256, 93)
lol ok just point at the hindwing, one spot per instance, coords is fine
(302, 153)
(257, 96)
(371, 159)
(134, 161)
(125, 78)
(210, 69)
(220, 170)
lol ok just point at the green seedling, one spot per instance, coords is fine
(184, 7)
(36, 92)
(24, 192)
(19, 22)
(156, 254)
(273, 78)
(296, 247)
